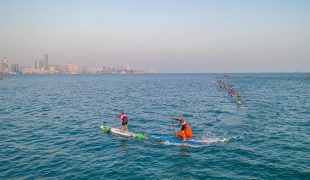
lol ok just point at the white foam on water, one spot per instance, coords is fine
(212, 138)
(183, 144)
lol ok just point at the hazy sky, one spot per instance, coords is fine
(166, 35)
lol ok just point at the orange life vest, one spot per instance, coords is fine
(188, 132)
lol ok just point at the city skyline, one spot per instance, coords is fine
(170, 36)
(43, 67)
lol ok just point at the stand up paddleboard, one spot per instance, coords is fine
(177, 140)
(123, 133)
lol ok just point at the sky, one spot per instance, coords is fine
(170, 36)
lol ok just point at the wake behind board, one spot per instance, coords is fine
(120, 132)
(177, 140)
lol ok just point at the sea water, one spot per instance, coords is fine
(50, 126)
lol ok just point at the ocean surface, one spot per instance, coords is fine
(50, 126)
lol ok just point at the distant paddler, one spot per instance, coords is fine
(231, 91)
(239, 97)
(185, 131)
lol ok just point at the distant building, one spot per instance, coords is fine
(120, 67)
(75, 68)
(40, 64)
(64, 68)
(15, 68)
(6, 65)
(84, 69)
(28, 71)
(70, 67)
(2, 67)
(124, 67)
(37, 64)
(59, 68)
(52, 69)
(127, 67)
(46, 65)
(6, 59)
(94, 70)
(106, 69)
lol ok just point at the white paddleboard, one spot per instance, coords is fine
(123, 133)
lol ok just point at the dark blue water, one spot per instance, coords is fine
(50, 127)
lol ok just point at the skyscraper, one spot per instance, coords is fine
(15, 68)
(40, 64)
(6, 65)
(46, 66)
(37, 64)
(6, 59)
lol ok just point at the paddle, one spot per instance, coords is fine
(173, 127)
(112, 125)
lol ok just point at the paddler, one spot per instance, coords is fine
(124, 118)
(184, 126)
(239, 97)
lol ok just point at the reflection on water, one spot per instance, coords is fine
(181, 164)
(124, 144)
(183, 150)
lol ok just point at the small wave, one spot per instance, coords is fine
(183, 144)
(200, 142)
(223, 140)
(212, 138)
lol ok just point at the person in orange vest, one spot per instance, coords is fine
(185, 131)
